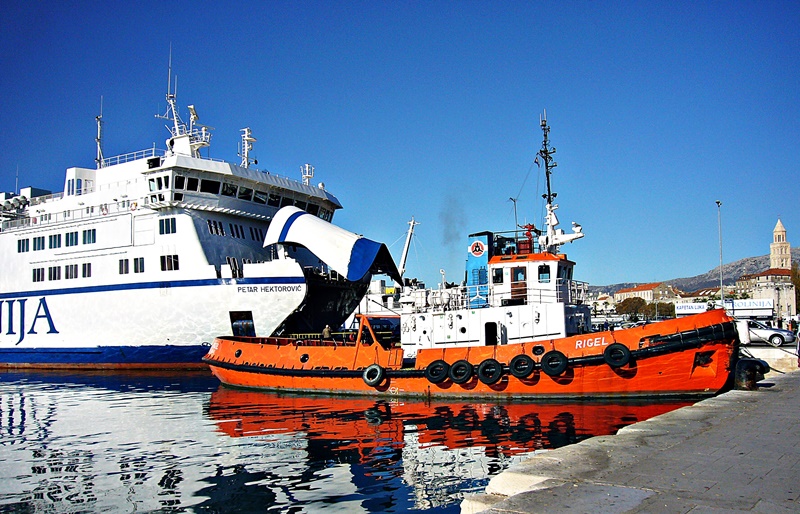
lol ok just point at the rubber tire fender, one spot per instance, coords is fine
(617, 355)
(521, 366)
(437, 371)
(554, 363)
(373, 375)
(460, 372)
(490, 371)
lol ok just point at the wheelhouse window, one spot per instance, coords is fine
(260, 197)
(313, 209)
(274, 200)
(191, 184)
(180, 182)
(497, 276)
(544, 274)
(245, 193)
(286, 201)
(228, 189)
(209, 186)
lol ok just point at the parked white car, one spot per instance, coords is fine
(752, 331)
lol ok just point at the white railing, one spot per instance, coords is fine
(128, 157)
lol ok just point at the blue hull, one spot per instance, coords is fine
(138, 357)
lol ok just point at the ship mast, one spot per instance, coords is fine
(553, 238)
(99, 139)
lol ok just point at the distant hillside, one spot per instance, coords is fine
(730, 272)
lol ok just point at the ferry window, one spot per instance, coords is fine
(497, 276)
(300, 205)
(221, 228)
(54, 273)
(286, 201)
(70, 271)
(152, 184)
(90, 236)
(191, 184)
(55, 241)
(87, 269)
(70, 187)
(544, 273)
(252, 234)
(123, 267)
(233, 234)
(169, 262)
(166, 182)
(23, 245)
(71, 238)
(228, 189)
(178, 197)
(210, 227)
(38, 243)
(166, 226)
(209, 186)
(38, 274)
(312, 209)
(274, 200)
(79, 188)
(260, 197)
(180, 182)
(158, 181)
(245, 193)
(138, 265)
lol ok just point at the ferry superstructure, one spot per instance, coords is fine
(143, 260)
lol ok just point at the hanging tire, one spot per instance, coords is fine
(437, 371)
(521, 366)
(490, 371)
(617, 355)
(460, 372)
(373, 375)
(554, 363)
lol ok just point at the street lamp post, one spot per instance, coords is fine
(719, 227)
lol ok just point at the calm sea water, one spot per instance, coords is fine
(161, 443)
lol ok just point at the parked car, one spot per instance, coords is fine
(756, 332)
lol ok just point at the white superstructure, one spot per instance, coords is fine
(146, 258)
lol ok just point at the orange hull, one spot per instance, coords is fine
(688, 356)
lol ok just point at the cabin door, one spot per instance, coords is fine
(490, 334)
(519, 283)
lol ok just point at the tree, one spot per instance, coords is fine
(631, 307)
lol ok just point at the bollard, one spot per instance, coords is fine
(749, 372)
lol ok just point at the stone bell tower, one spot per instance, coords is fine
(780, 252)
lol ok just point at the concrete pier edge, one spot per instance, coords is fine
(714, 455)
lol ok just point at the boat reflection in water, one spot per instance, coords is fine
(157, 442)
(440, 450)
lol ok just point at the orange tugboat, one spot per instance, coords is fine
(688, 356)
(517, 327)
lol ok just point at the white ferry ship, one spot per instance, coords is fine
(142, 261)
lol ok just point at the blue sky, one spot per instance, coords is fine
(431, 110)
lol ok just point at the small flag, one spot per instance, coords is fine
(536, 161)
